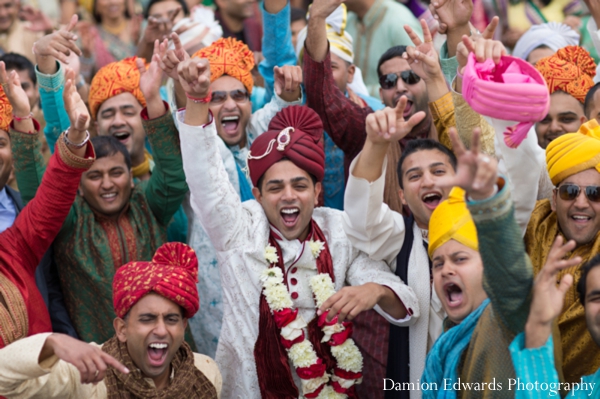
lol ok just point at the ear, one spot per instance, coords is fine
(318, 188)
(131, 179)
(80, 189)
(256, 193)
(583, 119)
(120, 329)
(185, 323)
(553, 200)
(401, 195)
(351, 72)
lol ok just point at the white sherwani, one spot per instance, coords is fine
(239, 233)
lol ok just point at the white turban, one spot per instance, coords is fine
(553, 35)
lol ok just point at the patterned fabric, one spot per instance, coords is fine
(580, 354)
(112, 80)
(5, 111)
(24, 243)
(451, 220)
(110, 48)
(295, 133)
(574, 152)
(172, 273)
(228, 56)
(571, 69)
(188, 382)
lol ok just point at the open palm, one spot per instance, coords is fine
(151, 77)
(74, 105)
(14, 92)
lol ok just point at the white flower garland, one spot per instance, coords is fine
(302, 354)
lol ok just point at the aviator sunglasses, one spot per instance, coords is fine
(239, 96)
(389, 81)
(569, 192)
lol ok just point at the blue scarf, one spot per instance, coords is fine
(443, 359)
(245, 189)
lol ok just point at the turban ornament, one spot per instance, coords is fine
(451, 220)
(113, 79)
(5, 111)
(570, 70)
(294, 133)
(574, 152)
(228, 56)
(172, 273)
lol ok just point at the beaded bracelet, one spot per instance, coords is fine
(73, 145)
(22, 118)
(204, 100)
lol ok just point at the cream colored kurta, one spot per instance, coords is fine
(239, 232)
(23, 377)
(19, 40)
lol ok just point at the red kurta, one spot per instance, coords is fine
(24, 243)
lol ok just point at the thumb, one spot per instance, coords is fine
(565, 283)
(488, 32)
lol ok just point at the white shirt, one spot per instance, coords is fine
(239, 233)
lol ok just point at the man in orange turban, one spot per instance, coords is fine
(573, 212)
(569, 75)
(148, 355)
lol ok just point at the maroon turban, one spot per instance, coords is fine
(294, 133)
(172, 273)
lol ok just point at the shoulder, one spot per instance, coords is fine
(209, 368)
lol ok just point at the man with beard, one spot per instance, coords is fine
(146, 357)
(113, 221)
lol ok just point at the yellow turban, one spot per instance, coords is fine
(574, 152)
(228, 56)
(113, 79)
(451, 220)
(5, 111)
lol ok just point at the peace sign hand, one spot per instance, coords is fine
(423, 58)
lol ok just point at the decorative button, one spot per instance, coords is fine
(294, 295)
(294, 281)
(294, 269)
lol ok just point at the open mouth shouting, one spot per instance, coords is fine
(290, 216)
(157, 353)
(109, 197)
(230, 124)
(454, 295)
(122, 136)
(431, 199)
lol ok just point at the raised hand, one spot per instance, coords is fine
(451, 14)
(160, 28)
(194, 76)
(548, 296)
(58, 44)
(423, 58)
(11, 84)
(76, 109)
(482, 45)
(288, 79)
(38, 21)
(388, 124)
(171, 58)
(91, 361)
(476, 173)
(151, 78)
(321, 9)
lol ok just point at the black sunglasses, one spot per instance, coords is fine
(239, 96)
(569, 192)
(389, 81)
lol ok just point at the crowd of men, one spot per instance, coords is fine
(344, 199)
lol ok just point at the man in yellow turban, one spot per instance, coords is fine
(573, 212)
(569, 75)
(481, 274)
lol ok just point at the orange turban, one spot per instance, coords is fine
(5, 111)
(228, 56)
(571, 69)
(112, 80)
(172, 273)
(572, 153)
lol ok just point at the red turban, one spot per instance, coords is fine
(172, 273)
(113, 79)
(294, 133)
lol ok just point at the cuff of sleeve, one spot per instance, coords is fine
(35, 344)
(50, 83)
(493, 207)
(181, 118)
(543, 355)
(73, 160)
(144, 113)
(442, 106)
(36, 129)
(281, 103)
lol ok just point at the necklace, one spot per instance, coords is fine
(115, 30)
(316, 382)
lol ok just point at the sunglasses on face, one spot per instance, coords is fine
(389, 81)
(569, 192)
(239, 96)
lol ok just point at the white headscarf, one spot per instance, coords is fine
(553, 35)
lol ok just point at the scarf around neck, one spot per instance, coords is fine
(443, 359)
(188, 382)
(144, 167)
